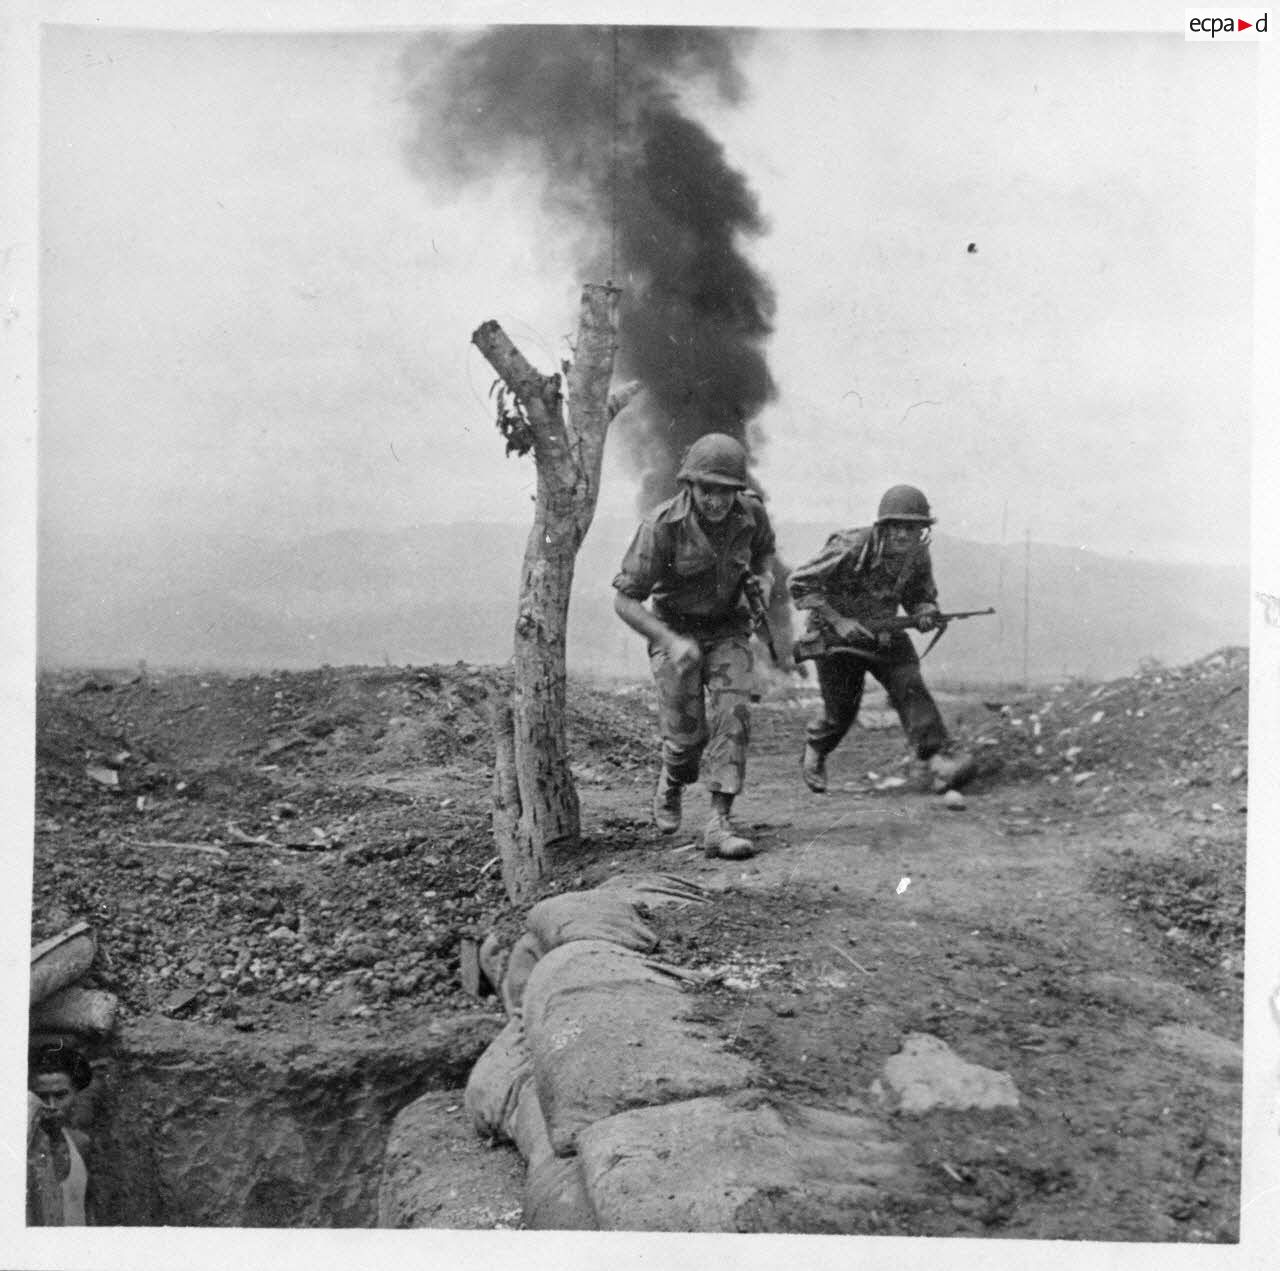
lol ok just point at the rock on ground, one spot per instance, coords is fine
(928, 1074)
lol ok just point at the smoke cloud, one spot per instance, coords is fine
(644, 193)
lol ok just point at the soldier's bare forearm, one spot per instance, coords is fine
(641, 619)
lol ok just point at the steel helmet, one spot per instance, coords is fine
(904, 503)
(715, 459)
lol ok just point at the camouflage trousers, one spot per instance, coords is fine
(841, 677)
(704, 714)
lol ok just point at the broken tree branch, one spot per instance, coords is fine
(622, 397)
(185, 847)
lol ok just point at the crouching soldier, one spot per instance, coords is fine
(689, 559)
(860, 576)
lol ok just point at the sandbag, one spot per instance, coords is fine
(654, 890)
(62, 959)
(88, 1012)
(528, 1128)
(493, 960)
(524, 957)
(606, 1032)
(555, 1198)
(590, 915)
(609, 912)
(493, 1088)
(735, 1164)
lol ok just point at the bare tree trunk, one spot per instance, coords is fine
(535, 801)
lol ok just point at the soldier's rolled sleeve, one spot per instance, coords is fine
(638, 573)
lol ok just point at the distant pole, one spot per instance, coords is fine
(1026, 614)
(1004, 535)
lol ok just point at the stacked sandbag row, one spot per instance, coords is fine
(631, 1115)
(61, 1008)
(596, 1026)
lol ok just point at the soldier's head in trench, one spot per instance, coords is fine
(56, 1075)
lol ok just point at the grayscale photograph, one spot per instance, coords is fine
(642, 629)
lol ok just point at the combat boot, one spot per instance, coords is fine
(950, 770)
(920, 775)
(813, 768)
(718, 839)
(666, 802)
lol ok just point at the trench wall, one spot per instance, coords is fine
(197, 1127)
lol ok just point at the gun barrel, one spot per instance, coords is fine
(815, 646)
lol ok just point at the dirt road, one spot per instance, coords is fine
(870, 916)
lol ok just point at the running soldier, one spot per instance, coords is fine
(863, 575)
(690, 559)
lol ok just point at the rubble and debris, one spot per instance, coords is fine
(210, 856)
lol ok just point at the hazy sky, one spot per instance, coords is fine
(254, 317)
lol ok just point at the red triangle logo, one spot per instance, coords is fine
(1242, 25)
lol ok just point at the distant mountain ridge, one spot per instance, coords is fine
(443, 593)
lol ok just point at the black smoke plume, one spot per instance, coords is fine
(644, 191)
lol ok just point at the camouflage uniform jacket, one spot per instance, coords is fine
(857, 582)
(695, 578)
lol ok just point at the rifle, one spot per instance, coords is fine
(817, 645)
(759, 612)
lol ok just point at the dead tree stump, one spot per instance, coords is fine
(535, 800)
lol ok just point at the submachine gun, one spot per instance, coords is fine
(754, 593)
(818, 645)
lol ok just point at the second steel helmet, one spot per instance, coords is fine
(715, 459)
(904, 503)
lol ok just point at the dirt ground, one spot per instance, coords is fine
(263, 852)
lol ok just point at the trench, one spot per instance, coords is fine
(197, 1127)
